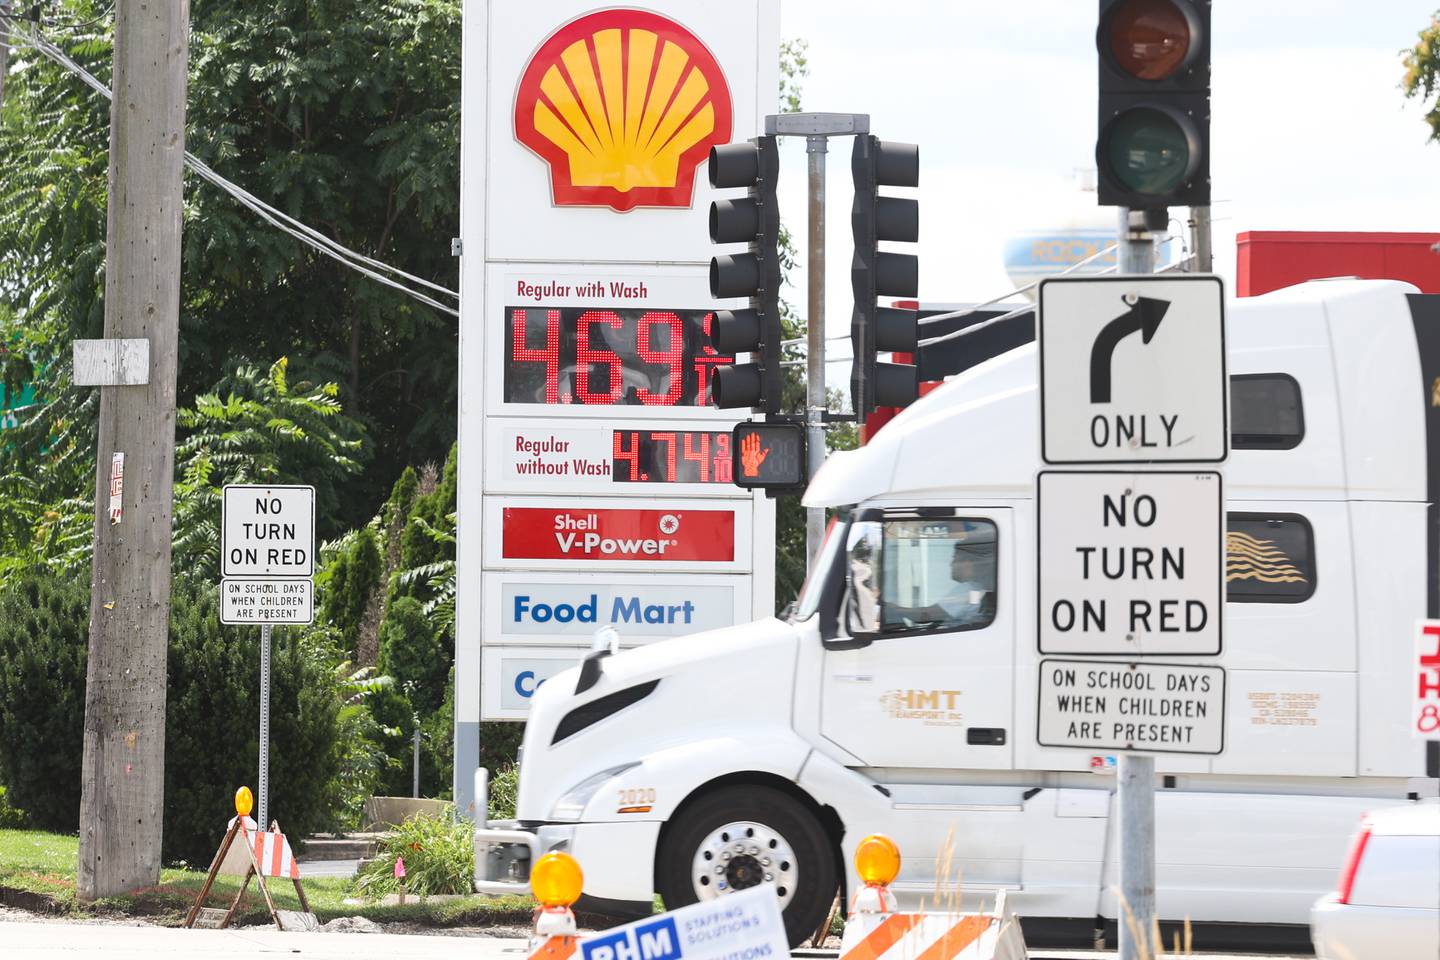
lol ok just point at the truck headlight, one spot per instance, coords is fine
(572, 805)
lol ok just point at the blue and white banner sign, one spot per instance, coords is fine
(737, 926)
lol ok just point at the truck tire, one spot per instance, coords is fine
(743, 836)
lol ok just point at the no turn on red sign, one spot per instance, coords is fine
(1130, 564)
(267, 531)
(267, 554)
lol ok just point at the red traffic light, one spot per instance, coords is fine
(1149, 39)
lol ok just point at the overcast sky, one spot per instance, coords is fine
(1309, 128)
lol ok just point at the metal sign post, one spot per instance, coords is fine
(1135, 778)
(816, 128)
(815, 402)
(264, 791)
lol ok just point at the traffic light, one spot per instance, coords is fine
(755, 220)
(876, 273)
(1153, 148)
(770, 456)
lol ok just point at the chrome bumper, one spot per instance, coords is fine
(503, 852)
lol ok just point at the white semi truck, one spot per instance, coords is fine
(761, 754)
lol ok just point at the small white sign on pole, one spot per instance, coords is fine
(1144, 707)
(1130, 563)
(255, 601)
(746, 925)
(267, 531)
(1132, 369)
(1424, 679)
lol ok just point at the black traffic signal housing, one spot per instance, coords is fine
(876, 273)
(755, 220)
(1153, 146)
(769, 455)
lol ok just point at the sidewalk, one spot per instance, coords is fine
(24, 941)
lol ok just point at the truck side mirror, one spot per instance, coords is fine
(862, 595)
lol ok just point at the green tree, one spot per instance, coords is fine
(1422, 73)
(344, 115)
(413, 655)
(349, 592)
(255, 426)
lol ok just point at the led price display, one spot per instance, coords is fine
(611, 355)
(672, 456)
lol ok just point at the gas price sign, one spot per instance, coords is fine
(610, 355)
(671, 456)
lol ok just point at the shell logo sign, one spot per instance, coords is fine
(623, 105)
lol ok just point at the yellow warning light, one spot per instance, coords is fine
(877, 860)
(556, 879)
(244, 802)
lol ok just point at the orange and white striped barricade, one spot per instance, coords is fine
(934, 936)
(266, 854)
(273, 854)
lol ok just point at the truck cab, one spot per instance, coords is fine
(900, 696)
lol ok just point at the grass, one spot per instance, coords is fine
(37, 872)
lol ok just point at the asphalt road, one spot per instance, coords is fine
(35, 938)
(328, 868)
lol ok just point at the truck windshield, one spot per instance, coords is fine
(809, 600)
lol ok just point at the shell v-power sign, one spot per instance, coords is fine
(595, 470)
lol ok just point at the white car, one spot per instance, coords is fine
(1387, 905)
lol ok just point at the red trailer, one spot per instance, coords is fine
(1270, 259)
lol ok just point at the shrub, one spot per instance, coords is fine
(44, 642)
(500, 744)
(11, 818)
(363, 764)
(212, 739)
(396, 719)
(348, 583)
(212, 714)
(504, 792)
(439, 855)
(437, 766)
(412, 654)
(433, 507)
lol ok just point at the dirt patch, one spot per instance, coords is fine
(26, 900)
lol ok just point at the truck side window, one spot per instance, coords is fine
(1266, 412)
(1269, 558)
(938, 574)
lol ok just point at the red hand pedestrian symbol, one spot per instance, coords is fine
(751, 456)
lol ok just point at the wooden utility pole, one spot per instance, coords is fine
(123, 788)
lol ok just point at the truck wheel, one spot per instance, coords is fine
(740, 837)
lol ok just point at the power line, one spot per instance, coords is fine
(280, 220)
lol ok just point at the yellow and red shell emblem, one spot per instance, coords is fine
(623, 105)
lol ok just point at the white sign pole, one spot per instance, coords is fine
(264, 781)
